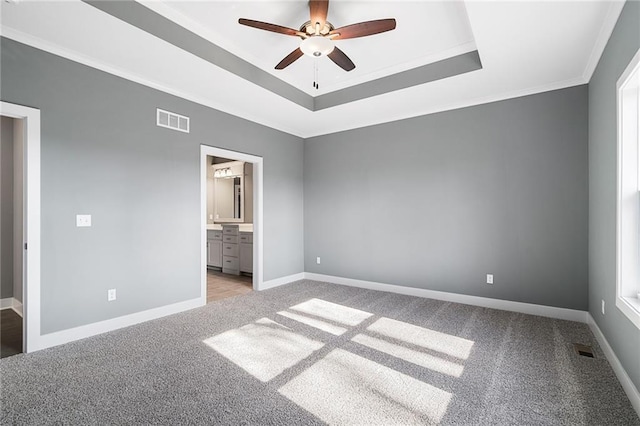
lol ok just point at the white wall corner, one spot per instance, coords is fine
(623, 377)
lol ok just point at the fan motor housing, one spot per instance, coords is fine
(310, 28)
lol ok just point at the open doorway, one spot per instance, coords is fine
(20, 229)
(11, 235)
(231, 219)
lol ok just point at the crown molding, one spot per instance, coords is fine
(608, 25)
(58, 50)
(578, 81)
(63, 52)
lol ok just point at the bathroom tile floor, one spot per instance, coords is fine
(221, 286)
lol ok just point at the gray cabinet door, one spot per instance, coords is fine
(214, 253)
(246, 257)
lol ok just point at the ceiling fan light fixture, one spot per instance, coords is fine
(316, 46)
(318, 35)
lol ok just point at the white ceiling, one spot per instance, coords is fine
(525, 47)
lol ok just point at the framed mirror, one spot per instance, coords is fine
(229, 191)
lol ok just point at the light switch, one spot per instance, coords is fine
(83, 220)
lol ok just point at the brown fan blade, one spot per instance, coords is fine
(364, 29)
(341, 59)
(318, 10)
(269, 27)
(291, 58)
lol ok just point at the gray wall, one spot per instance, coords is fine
(623, 336)
(103, 155)
(438, 201)
(6, 208)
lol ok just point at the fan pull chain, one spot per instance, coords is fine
(315, 75)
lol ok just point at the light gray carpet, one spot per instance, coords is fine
(314, 353)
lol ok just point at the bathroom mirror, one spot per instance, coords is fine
(229, 192)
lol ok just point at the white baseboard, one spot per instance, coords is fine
(6, 303)
(11, 303)
(505, 305)
(623, 377)
(77, 333)
(17, 306)
(281, 281)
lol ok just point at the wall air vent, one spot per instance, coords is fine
(171, 120)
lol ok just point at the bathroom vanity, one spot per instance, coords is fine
(229, 206)
(230, 248)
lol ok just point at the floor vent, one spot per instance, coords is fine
(583, 350)
(171, 120)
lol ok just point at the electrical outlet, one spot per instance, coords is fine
(210, 217)
(111, 295)
(318, 260)
(83, 220)
(602, 306)
(489, 278)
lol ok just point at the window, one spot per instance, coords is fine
(628, 197)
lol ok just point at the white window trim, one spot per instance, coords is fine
(628, 194)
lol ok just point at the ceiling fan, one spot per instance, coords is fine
(318, 35)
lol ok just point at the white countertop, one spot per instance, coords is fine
(242, 227)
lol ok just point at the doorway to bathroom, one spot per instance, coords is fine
(231, 220)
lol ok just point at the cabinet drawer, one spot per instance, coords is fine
(229, 249)
(214, 235)
(230, 263)
(246, 238)
(230, 239)
(230, 231)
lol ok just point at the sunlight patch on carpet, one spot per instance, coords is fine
(344, 388)
(264, 348)
(313, 322)
(332, 312)
(421, 359)
(423, 337)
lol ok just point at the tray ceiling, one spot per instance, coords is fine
(525, 47)
(426, 32)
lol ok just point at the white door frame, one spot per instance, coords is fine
(205, 151)
(31, 220)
